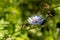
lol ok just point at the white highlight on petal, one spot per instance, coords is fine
(30, 19)
(36, 17)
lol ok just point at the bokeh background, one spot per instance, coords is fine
(14, 24)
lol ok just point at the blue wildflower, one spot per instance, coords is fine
(35, 20)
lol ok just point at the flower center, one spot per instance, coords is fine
(35, 21)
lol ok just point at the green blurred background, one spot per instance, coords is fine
(14, 15)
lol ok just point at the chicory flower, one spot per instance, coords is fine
(35, 19)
